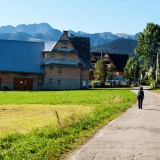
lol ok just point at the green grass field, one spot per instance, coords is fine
(30, 129)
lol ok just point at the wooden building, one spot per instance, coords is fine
(21, 65)
(67, 63)
(115, 63)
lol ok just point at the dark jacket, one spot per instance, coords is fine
(140, 94)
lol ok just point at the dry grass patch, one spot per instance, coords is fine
(24, 118)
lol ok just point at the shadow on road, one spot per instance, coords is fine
(151, 109)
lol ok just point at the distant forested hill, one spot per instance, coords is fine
(119, 46)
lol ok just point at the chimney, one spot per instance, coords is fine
(101, 54)
(65, 32)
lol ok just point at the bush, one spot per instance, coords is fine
(99, 84)
(93, 84)
(108, 84)
(158, 85)
(151, 85)
(96, 84)
(145, 82)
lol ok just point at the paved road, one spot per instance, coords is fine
(133, 136)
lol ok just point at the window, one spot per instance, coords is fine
(50, 80)
(51, 67)
(64, 45)
(63, 56)
(40, 82)
(59, 81)
(51, 55)
(84, 83)
(59, 69)
(106, 59)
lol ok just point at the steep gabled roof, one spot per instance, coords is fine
(78, 45)
(82, 46)
(119, 60)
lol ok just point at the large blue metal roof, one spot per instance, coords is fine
(21, 56)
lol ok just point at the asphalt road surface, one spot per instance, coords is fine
(135, 135)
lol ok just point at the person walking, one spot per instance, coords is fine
(140, 97)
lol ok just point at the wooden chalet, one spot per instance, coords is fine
(67, 63)
(115, 63)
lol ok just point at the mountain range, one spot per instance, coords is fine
(43, 32)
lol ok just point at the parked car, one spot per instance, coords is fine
(117, 81)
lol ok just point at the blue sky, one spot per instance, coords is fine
(91, 16)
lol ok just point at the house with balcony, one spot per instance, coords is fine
(67, 63)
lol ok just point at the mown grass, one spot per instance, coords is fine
(58, 97)
(50, 142)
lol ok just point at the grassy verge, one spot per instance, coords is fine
(156, 91)
(50, 142)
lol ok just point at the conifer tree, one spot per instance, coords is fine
(100, 71)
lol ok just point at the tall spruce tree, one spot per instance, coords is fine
(100, 71)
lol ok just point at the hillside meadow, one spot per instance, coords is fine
(47, 125)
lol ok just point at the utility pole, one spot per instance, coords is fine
(135, 70)
(157, 65)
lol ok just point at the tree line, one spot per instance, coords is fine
(145, 64)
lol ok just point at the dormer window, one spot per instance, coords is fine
(64, 45)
